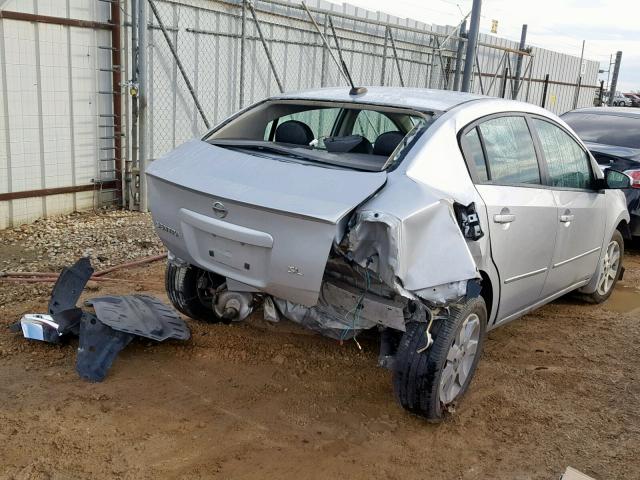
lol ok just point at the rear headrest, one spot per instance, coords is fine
(387, 142)
(293, 131)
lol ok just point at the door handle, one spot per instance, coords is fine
(566, 218)
(504, 218)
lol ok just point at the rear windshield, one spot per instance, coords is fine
(342, 135)
(608, 129)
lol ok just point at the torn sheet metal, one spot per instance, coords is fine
(422, 251)
(141, 315)
(343, 311)
(441, 294)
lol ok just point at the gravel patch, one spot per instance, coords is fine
(50, 244)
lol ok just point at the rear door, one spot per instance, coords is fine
(521, 213)
(581, 208)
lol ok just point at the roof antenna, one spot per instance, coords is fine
(354, 90)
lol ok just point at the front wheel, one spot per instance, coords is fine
(429, 382)
(609, 269)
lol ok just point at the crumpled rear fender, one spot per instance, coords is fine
(409, 235)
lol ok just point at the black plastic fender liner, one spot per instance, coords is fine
(69, 321)
(141, 315)
(69, 286)
(98, 347)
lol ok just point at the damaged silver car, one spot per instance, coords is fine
(431, 216)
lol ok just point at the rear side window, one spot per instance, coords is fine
(473, 150)
(511, 156)
(567, 162)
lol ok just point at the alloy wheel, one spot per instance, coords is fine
(460, 358)
(609, 268)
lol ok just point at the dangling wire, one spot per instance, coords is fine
(357, 309)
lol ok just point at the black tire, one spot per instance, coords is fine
(597, 297)
(187, 288)
(417, 375)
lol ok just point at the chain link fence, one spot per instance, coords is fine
(235, 53)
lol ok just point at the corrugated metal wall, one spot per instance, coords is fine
(49, 106)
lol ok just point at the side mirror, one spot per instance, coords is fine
(613, 179)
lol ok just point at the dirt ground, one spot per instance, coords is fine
(257, 400)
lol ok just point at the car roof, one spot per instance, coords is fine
(423, 99)
(619, 111)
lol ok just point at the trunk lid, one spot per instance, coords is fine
(263, 222)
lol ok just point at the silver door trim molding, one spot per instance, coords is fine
(525, 275)
(538, 304)
(563, 262)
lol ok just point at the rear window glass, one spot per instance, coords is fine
(607, 129)
(371, 124)
(321, 122)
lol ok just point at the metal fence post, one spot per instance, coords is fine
(265, 46)
(530, 67)
(143, 92)
(324, 40)
(134, 166)
(576, 94)
(600, 93)
(472, 43)
(503, 88)
(521, 47)
(243, 46)
(544, 90)
(461, 34)
(395, 55)
(614, 78)
(384, 56)
(323, 67)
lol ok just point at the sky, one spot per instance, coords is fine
(559, 25)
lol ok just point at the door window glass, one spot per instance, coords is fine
(567, 162)
(473, 150)
(511, 156)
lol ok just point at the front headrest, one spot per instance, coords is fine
(387, 142)
(293, 131)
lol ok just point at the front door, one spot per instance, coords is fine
(581, 209)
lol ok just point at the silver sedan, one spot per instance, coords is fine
(428, 216)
